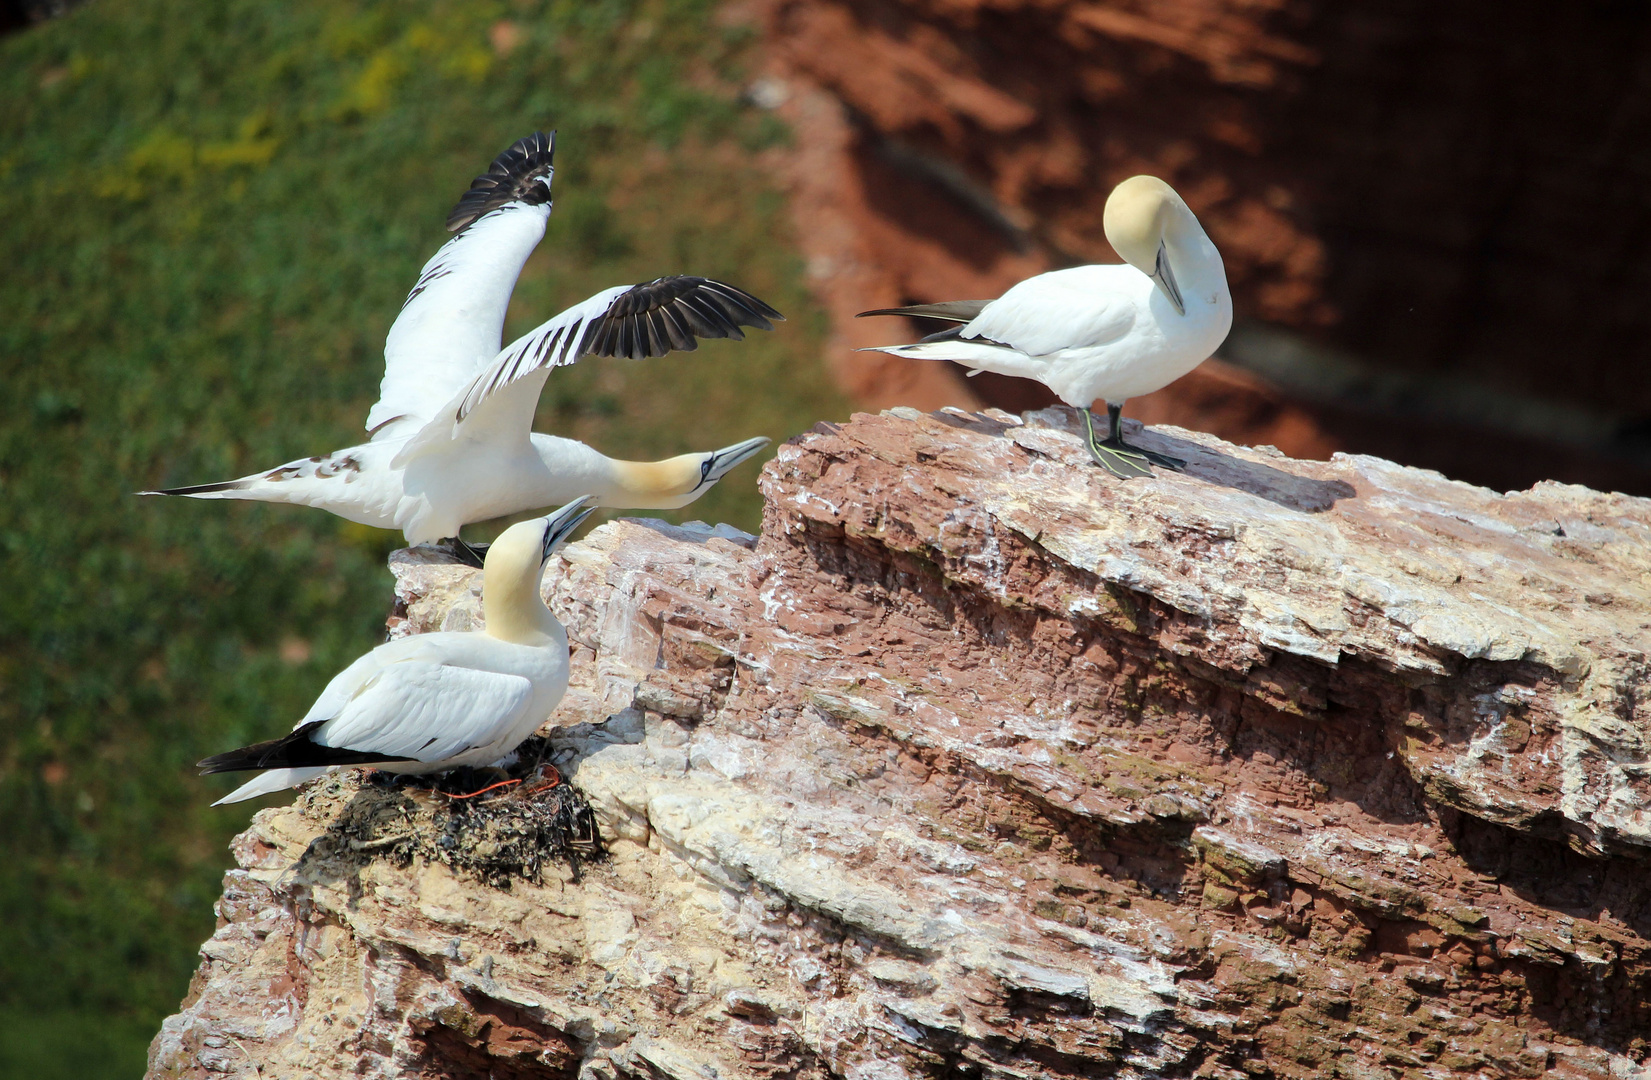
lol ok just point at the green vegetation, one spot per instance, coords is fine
(209, 215)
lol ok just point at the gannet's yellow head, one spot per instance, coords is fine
(1140, 214)
(510, 574)
(678, 481)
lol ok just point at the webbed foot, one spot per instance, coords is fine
(1124, 462)
(1163, 461)
(1118, 457)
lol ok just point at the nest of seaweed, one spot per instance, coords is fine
(496, 825)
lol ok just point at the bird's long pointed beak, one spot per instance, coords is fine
(560, 525)
(1165, 277)
(719, 462)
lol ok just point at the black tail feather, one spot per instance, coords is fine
(292, 751)
(952, 310)
(200, 489)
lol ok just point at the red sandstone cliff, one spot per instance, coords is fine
(1454, 196)
(979, 763)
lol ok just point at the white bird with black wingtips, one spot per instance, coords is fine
(450, 438)
(433, 702)
(1108, 332)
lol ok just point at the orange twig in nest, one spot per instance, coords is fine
(485, 790)
(555, 779)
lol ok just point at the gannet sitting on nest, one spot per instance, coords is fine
(433, 702)
(450, 437)
(1110, 332)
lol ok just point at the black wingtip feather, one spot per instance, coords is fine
(291, 751)
(515, 176)
(741, 306)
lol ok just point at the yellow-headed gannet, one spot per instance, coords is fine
(1111, 332)
(437, 701)
(450, 439)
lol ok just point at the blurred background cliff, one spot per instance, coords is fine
(1436, 221)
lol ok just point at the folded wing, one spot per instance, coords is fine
(426, 711)
(400, 702)
(453, 319)
(1065, 309)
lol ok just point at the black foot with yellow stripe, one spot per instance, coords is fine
(1118, 457)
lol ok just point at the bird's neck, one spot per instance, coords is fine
(572, 468)
(1197, 263)
(655, 485)
(514, 610)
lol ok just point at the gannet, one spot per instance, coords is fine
(1110, 332)
(450, 439)
(433, 702)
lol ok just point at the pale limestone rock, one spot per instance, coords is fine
(980, 762)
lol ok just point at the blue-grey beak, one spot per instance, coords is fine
(561, 524)
(716, 464)
(1165, 277)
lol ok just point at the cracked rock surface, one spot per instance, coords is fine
(978, 762)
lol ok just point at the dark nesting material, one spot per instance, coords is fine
(497, 837)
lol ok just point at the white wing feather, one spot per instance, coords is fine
(661, 316)
(428, 711)
(453, 320)
(1063, 309)
(553, 343)
(507, 410)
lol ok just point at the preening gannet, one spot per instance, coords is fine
(450, 439)
(1111, 332)
(437, 701)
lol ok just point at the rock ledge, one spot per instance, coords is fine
(980, 763)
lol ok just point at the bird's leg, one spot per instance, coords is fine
(1121, 461)
(1115, 441)
(468, 554)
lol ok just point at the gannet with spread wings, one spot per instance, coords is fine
(450, 439)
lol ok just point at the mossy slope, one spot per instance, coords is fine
(209, 215)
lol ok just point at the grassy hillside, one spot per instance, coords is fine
(209, 214)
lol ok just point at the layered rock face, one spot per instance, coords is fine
(978, 762)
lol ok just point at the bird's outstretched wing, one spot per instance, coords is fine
(660, 316)
(453, 319)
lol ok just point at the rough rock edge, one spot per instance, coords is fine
(848, 841)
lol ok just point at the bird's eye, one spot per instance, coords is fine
(705, 470)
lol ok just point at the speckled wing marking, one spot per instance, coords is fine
(515, 176)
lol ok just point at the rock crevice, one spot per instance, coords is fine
(978, 762)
